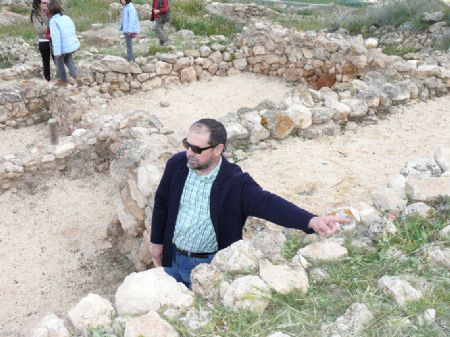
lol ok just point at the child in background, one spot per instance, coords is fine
(64, 41)
(129, 25)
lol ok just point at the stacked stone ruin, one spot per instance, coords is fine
(135, 146)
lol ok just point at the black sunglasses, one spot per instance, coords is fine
(194, 148)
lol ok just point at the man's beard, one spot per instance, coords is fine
(195, 165)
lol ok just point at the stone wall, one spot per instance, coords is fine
(240, 12)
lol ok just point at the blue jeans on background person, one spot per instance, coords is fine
(129, 42)
(182, 266)
(61, 71)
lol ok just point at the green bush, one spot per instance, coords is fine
(86, 12)
(392, 13)
(19, 9)
(399, 50)
(192, 15)
(152, 50)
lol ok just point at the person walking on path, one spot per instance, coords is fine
(39, 19)
(161, 15)
(129, 25)
(203, 201)
(64, 41)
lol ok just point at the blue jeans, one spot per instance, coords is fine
(182, 266)
(129, 43)
(60, 70)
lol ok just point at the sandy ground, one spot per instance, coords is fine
(52, 232)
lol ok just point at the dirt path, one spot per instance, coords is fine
(52, 235)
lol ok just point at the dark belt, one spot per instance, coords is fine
(198, 255)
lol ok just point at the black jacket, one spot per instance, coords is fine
(234, 197)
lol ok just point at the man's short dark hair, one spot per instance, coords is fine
(218, 134)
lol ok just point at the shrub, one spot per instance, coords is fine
(192, 15)
(399, 50)
(19, 9)
(152, 50)
(86, 12)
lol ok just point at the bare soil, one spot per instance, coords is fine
(53, 244)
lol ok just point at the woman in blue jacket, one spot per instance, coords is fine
(64, 41)
(129, 25)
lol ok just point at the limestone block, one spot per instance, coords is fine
(399, 289)
(50, 325)
(269, 243)
(129, 224)
(354, 320)
(278, 122)
(240, 64)
(329, 128)
(205, 51)
(321, 114)
(236, 132)
(324, 250)
(137, 294)
(340, 110)
(283, 278)
(149, 85)
(240, 257)
(185, 62)
(188, 75)
(423, 167)
(427, 189)
(116, 64)
(252, 122)
(149, 325)
(92, 311)
(64, 150)
(387, 199)
(248, 293)
(148, 177)
(301, 115)
(163, 68)
(418, 208)
(205, 281)
(216, 57)
(442, 157)
(168, 57)
(439, 255)
(359, 108)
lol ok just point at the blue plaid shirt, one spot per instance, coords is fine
(194, 230)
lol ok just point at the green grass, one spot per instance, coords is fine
(154, 49)
(400, 50)
(19, 9)
(351, 280)
(291, 246)
(192, 15)
(23, 29)
(86, 12)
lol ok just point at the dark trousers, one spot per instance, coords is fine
(45, 50)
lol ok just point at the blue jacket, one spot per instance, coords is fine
(129, 21)
(234, 197)
(63, 35)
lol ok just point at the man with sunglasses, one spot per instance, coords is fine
(203, 200)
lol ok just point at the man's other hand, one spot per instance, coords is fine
(326, 225)
(156, 251)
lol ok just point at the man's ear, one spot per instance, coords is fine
(219, 149)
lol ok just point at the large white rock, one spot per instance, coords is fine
(64, 150)
(252, 122)
(355, 318)
(283, 278)
(149, 325)
(418, 208)
(386, 199)
(399, 289)
(423, 167)
(442, 157)
(116, 63)
(205, 281)
(50, 326)
(324, 250)
(240, 257)
(428, 189)
(270, 243)
(92, 311)
(247, 292)
(148, 177)
(151, 290)
(439, 255)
